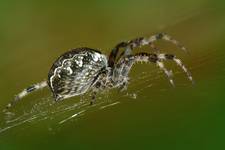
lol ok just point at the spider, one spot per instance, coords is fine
(84, 69)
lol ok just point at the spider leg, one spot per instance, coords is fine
(168, 73)
(124, 65)
(124, 84)
(139, 42)
(128, 50)
(178, 62)
(27, 91)
(98, 84)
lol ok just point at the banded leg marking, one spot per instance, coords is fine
(138, 42)
(178, 62)
(26, 91)
(125, 64)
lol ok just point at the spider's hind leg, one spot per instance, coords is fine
(27, 91)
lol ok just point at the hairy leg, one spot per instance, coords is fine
(124, 65)
(165, 57)
(138, 42)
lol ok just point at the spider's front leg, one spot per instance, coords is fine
(139, 42)
(123, 67)
(125, 64)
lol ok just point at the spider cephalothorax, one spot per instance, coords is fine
(84, 69)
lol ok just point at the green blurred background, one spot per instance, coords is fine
(34, 33)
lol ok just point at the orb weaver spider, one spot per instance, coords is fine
(84, 69)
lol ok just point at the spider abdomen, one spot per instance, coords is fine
(74, 72)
